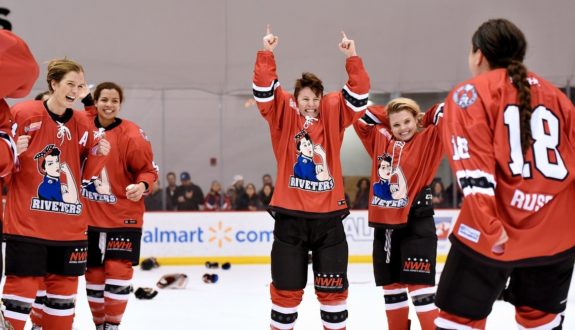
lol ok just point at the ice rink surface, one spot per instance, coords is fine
(240, 300)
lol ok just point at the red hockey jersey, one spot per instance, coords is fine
(44, 198)
(130, 161)
(400, 170)
(307, 151)
(18, 73)
(528, 196)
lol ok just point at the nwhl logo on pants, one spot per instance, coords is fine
(417, 265)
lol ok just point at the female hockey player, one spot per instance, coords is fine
(510, 136)
(400, 209)
(115, 208)
(308, 203)
(45, 227)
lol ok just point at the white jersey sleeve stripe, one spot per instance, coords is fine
(265, 94)
(355, 101)
(438, 113)
(476, 182)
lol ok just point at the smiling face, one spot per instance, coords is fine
(67, 90)
(108, 105)
(308, 102)
(403, 125)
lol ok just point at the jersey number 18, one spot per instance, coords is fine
(545, 134)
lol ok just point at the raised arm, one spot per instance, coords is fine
(87, 100)
(355, 93)
(433, 115)
(269, 96)
(270, 40)
(347, 46)
(368, 126)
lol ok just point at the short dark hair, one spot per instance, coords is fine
(108, 85)
(310, 80)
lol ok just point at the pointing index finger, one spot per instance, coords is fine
(268, 30)
(343, 35)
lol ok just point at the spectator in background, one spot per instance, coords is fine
(347, 198)
(266, 194)
(153, 201)
(249, 200)
(216, 200)
(171, 201)
(450, 202)
(237, 189)
(361, 200)
(189, 197)
(438, 194)
(346, 195)
(267, 179)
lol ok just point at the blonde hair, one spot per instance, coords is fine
(404, 104)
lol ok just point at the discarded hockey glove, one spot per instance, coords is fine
(210, 278)
(212, 265)
(149, 263)
(145, 293)
(226, 265)
(173, 281)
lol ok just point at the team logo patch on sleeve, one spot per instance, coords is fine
(33, 127)
(465, 96)
(144, 136)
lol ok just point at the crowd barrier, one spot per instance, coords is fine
(186, 238)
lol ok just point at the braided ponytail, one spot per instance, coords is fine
(518, 75)
(504, 46)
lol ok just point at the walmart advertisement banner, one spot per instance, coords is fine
(246, 237)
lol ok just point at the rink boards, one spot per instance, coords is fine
(246, 237)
